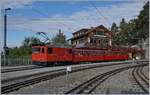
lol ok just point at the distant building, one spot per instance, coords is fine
(95, 36)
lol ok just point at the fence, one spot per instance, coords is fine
(16, 61)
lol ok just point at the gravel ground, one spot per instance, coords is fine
(146, 71)
(62, 84)
(10, 75)
(12, 67)
(115, 84)
(121, 83)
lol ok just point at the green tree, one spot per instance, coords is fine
(143, 23)
(60, 39)
(14, 52)
(123, 25)
(121, 36)
(114, 30)
(133, 31)
(29, 41)
(25, 49)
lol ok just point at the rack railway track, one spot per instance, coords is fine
(142, 72)
(53, 74)
(20, 69)
(43, 77)
(140, 78)
(89, 86)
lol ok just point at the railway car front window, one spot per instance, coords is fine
(35, 50)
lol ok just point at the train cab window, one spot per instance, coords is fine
(49, 50)
(35, 50)
(42, 50)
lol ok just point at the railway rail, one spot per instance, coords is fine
(139, 78)
(20, 68)
(45, 72)
(36, 78)
(142, 72)
(32, 79)
(18, 85)
(89, 86)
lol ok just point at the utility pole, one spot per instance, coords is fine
(5, 35)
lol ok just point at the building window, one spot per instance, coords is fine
(99, 33)
(99, 41)
(80, 41)
(95, 41)
(91, 40)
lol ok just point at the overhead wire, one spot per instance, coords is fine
(30, 19)
(31, 30)
(45, 15)
(99, 12)
(41, 13)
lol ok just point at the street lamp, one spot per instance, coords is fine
(5, 33)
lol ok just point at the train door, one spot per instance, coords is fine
(36, 54)
(42, 54)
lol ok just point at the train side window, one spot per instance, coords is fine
(42, 50)
(70, 51)
(49, 50)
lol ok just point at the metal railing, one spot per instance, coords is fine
(16, 61)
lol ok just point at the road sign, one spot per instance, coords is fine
(68, 69)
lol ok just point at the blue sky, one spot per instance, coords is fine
(30, 16)
(37, 9)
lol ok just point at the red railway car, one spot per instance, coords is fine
(49, 55)
(95, 55)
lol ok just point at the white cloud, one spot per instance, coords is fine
(20, 3)
(86, 18)
(78, 20)
(14, 3)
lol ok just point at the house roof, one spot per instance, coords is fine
(100, 27)
(90, 30)
(84, 29)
